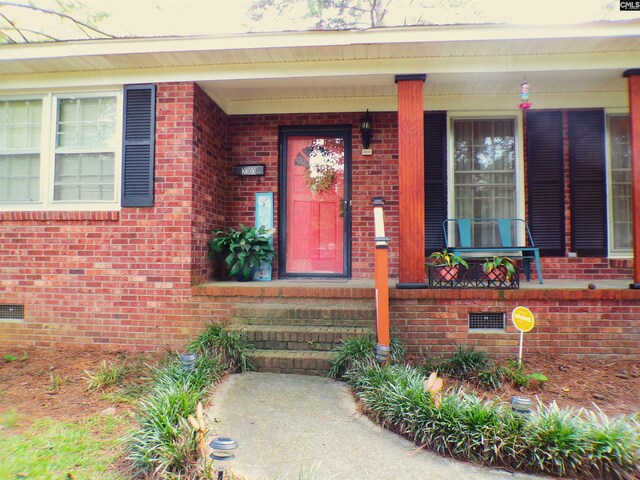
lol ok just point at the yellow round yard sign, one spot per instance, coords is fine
(522, 319)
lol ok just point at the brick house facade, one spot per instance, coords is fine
(131, 277)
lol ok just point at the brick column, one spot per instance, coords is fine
(634, 126)
(411, 180)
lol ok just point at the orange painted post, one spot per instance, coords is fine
(634, 127)
(381, 282)
(411, 180)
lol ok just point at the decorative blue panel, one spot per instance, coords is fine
(264, 216)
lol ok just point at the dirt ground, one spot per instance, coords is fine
(52, 382)
(26, 383)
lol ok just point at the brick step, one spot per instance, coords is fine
(294, 337)
(291, 361)
(329, 316)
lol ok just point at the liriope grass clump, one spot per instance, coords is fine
(551, 441)
(230, 347)
(165, 445)
(362, 350)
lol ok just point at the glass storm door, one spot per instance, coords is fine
(316, 204)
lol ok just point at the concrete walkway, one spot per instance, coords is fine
(286, 424)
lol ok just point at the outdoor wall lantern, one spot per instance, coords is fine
(366, 124)
(223, 453)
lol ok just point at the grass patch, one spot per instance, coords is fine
(53, 449)
(107, 375)
(552, 441)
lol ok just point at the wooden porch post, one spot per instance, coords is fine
(633, 77)
(411, 180)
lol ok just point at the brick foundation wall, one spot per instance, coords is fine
(580, 323)
(254, 139)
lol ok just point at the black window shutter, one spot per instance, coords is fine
(138, 145)
(588, 188)
(545, 181)
(435, 178)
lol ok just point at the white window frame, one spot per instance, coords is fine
(47, 153)
(515, 115)
(611, 252)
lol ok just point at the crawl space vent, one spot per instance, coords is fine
(486, 321)
(11, 312)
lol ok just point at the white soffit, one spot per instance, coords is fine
(294, 71)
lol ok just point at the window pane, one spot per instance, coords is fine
(620, 182)
(20, 127)
(86, 123)
(484, 173)
(84, 176)
(20, 178)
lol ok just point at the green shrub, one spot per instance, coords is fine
(362, 350)
(165, 446)
(549, 442)
(463, 363)
(230, 348)
(514, 373)
(108, 375)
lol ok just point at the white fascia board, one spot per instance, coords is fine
(458, 103)
(256, 41)
(289, 71)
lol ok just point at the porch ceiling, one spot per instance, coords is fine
(467, 66)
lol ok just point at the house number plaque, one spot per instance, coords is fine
(249, 170)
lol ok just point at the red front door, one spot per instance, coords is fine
(315, 205)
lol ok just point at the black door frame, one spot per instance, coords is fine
(338, 131)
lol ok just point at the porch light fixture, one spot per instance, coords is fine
(223, 453)
(366, 124)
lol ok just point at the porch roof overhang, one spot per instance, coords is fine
(469, 66)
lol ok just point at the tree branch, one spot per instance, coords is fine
(37, 33)
(14, 27)
(59, 14)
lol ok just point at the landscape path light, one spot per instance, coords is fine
(188, 361)
(223, 453)
(521, 405)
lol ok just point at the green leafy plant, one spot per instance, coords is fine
(549, 441)
(499, 267)
(491, 378)
(165, 443)
(445, 258)
(514, 373)
(12, 358)
(362, 350)
(55, 382)
(463, 363)
(243, 249)
(108, 375)
(230, 347)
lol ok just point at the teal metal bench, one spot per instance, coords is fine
(505, 233)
